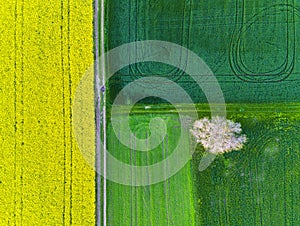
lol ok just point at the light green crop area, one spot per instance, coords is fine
(257, 185)
(169, 202)
(46, 47)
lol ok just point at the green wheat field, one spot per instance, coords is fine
(252, 48)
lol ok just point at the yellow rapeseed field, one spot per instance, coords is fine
(45, 48)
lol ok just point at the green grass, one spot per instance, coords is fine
(258, 185)
(166, 203)
(254, 186)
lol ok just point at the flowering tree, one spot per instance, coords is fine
(218, 135)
